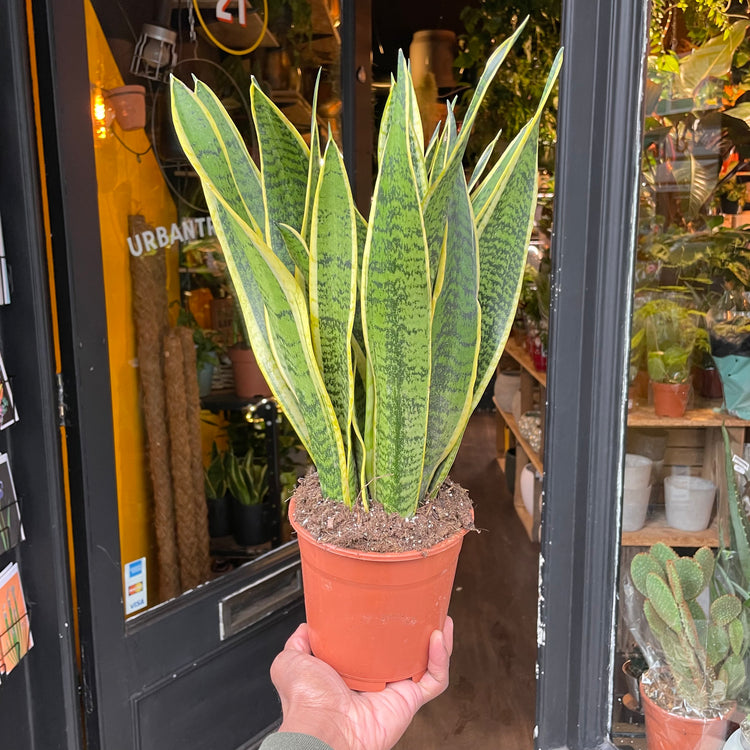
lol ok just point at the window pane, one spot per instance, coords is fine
(175, 334)
(691, 280)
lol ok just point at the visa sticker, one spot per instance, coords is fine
(136, 596)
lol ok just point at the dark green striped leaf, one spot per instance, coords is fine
(482, 162)
(265, 281)
(396, 313)
(333, 283)
(502, 256)
(314, 164)
(284, 164)
(494, 62)
(451, 238)
(211, 142)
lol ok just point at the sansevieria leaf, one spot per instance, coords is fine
(284, 164)
(396, 313)
(289, 340)
(215, 143)
(333, 284)
(376, 336)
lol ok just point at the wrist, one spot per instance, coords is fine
(318, 724)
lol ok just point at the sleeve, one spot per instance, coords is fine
(292, 741)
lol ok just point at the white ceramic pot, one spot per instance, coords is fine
(635, 507)
(637, 471)
(507, 383)
(688, 502)
(528, 475)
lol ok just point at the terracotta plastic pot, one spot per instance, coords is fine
(129, 104)
(711, 383)
(666, 731)
(670, 399)
(371, 614)
(248, 379)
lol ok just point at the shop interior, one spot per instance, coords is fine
(221, 504)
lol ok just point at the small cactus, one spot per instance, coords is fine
(703, 653)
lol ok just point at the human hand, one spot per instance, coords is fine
(316, 701)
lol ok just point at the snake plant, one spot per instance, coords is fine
(377, 337)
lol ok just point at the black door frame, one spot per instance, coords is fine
(39, 700)
(596, 200)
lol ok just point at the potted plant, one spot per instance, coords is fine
(370, 335)
(670, 334)
(217, 499)
(729, 332)
(247, 482)
(208, 350)
(695, 658)
(731, 194)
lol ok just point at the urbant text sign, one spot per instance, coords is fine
(150, 240)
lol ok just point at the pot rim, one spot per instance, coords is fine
(384, 557)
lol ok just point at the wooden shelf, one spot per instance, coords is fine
(531, 454)
(523, 358)
(705, 415)
(656, 530)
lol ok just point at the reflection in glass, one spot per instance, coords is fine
(203, 456)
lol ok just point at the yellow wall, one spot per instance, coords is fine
(127, 184)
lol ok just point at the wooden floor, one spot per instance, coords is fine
(491, 700)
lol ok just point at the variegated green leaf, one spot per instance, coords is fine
(504, 229)
(445, 146)
(314, 165)
(333, 283)
(494, 62)
(456, 315)
(431, 146)
(211, 142)
(262, 276)
(495, 180)
(284, 164)
(405, 105)
(396, 312)
(494, 183)
(385, 120)
(297, 249)
(482, 162)
(502, 257)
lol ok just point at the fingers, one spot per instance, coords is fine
(435, 679)
(448, 634)
(299, 640)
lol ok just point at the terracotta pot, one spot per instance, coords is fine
(248, 379)
(371, 614)
(667, 731)
(670, 399)
(129, 104)
(711, 383)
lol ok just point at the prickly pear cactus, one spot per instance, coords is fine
(703, 652)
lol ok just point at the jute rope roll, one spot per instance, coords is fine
(182, 470)
(193, 415)
(150, 313)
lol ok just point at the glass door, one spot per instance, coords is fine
(687, 398)
(177, 610)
